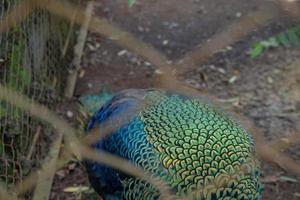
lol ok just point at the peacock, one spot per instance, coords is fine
(194, 147)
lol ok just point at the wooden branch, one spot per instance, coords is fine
(45, 180)
(6, 195)
(285, 142)
(78, 51)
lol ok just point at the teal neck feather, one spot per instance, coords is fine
(91, 103)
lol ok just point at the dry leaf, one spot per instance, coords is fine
(76, 189)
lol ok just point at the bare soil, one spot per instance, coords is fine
(265, 89)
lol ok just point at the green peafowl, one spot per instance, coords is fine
(191, 145)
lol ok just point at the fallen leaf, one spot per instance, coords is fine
(61, 173)
(77, 189)
(297, 194)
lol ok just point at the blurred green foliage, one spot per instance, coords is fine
(131, 2)
(289, 38)
(18, 78)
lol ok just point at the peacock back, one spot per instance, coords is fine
(195, 148)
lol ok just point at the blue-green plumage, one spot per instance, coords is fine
(180, 139)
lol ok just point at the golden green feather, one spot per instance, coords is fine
(200, 147)
(196, 149)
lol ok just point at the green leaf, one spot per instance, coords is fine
(131, 2)
(288, 38)
(296, 30)
(283, 40)
(293, 37)
(256, 50)
(272, 42)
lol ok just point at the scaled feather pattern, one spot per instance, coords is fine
(196, 149)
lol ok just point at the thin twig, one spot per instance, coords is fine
(34, 141)
(70, 32)
(230, 35)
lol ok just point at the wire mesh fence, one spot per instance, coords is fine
(34, 55)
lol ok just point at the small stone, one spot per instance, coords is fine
(131, 73)
(141, 29)
(157, 71)
(238, 14)
(121, 53)
(276, 71)
(70, 114)
(229, 48)
(221, 70)
(212, 67)
(232, 79)
(173, 25)
(270, 80)
(91, 47)
(165, 42)
(134, 59)
(97, 45)
(148, 64)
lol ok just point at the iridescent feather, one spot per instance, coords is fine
(196, 149)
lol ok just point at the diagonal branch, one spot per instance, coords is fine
(45, 181)
(230, 35)
(17, 14)
(74, 145)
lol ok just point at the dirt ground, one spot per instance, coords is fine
(265, 89)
